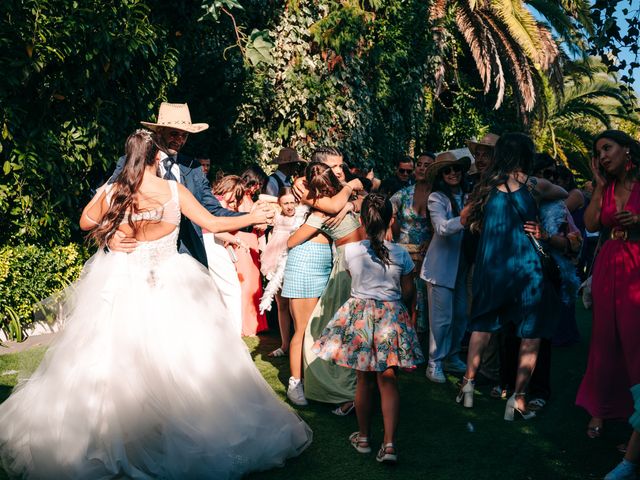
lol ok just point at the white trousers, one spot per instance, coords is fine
(447, 318)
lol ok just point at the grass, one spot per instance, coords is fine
(434, 438)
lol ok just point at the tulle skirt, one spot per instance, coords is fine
(148, 379)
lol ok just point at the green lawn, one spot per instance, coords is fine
(434, 440)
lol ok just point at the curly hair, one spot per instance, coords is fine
(141, 149)
(376, 216)
(513, 152)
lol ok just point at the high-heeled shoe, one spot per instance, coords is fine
(466, 392)
(509, 411)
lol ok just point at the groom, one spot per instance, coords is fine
(173, 127)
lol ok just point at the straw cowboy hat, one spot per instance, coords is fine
(489, 140)
(443, 160)
(176, 116)
(287, 155)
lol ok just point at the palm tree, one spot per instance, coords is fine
(591, 102)
(509, 46)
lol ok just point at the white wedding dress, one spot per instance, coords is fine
(148, 379)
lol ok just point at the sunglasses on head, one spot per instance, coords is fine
(405, 170)
(451, 169)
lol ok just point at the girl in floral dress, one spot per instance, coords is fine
(370, 333)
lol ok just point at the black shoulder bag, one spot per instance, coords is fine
(550, 269)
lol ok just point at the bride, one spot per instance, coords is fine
(145, 381)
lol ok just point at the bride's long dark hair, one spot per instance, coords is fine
(513, 152)
(141, 149)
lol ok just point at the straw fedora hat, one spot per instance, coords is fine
(446, 159)
(489, 140)
(287, 155)
(177, 116)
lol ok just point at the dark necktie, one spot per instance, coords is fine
(168, 165)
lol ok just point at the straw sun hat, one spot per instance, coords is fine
(443, 160)
(489, 140)
(287, 155)
(176, 116)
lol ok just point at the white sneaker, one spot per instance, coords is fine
(295, 393)
(454, 365)
(435, 373)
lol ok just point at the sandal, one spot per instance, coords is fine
(339, 411)
(536, 404)
(387, 453)
(361, 444)
(278, 352)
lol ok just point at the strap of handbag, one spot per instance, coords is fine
(533, 240)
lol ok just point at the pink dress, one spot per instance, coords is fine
(277, 244)
(248, 268)
(614, 357)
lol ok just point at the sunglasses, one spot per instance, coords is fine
(451, 169)
(406, 171)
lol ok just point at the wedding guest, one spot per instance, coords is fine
(205, 163)
(288, 162)
(323, 381)
(402, 177)
(308, 267)
(482, 152)
(231, 191)
(370, 333)
(412, 229)
(508, 282)
(272, 265)
(613, 367)
(444, 268)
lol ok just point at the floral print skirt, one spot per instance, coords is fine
(370, 336)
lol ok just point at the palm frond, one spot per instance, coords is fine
(519, 67)
(521, 25)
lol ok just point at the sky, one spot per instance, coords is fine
(626, 54)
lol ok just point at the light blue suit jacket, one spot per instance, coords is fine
(441, 262)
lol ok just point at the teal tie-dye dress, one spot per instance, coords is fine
(508, 284)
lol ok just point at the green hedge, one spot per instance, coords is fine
(30, 273)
